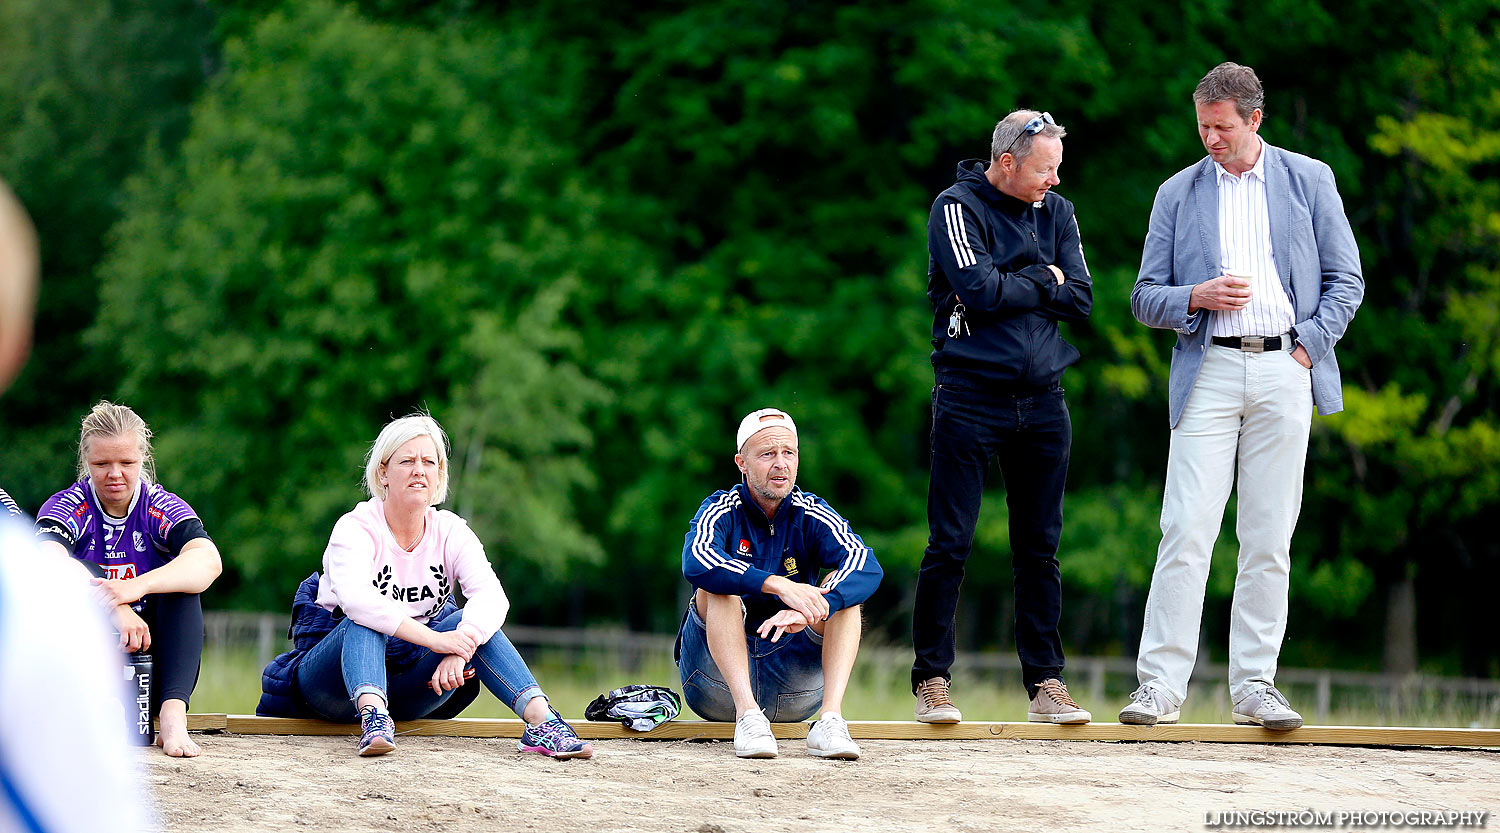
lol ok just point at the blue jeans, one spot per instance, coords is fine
(1030, 433)
(786, 676)
(351, 659)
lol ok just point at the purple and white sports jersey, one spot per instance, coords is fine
(124, 547)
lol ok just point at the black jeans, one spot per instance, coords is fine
(1030, 433)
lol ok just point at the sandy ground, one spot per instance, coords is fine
(258, 783)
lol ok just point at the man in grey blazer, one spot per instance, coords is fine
(1250, 259)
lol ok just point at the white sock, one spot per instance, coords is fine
(745, 712)
(826, 715)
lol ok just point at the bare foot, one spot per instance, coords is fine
(173, 735)
(180, 746)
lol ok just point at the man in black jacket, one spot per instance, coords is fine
(1006, 265)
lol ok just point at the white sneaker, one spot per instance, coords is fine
(752, 736)
(1149, 707)
(1269, 708)
(829, 738)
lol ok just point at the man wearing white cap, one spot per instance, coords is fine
(763, 638)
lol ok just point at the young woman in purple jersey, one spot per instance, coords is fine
(149, 553)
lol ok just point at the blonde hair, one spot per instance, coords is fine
(110, 420)
(398, 433)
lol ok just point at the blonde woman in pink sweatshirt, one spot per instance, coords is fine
(400, 646)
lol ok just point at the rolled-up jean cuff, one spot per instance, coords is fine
(370, 688)
(524, 698)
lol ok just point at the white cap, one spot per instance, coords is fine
(757, 421)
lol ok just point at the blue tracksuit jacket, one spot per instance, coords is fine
(731, 547)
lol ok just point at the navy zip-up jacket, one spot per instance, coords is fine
(732, 547)
(991, 250)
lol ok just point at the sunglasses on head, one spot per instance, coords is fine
(1031, 128)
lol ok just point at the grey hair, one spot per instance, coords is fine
(397, 433)
(110, 420)
(1230, 81)
(1009, 130)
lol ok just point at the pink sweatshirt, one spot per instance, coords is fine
(378, 584)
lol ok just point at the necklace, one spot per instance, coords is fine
(407, 542)
(415, 539)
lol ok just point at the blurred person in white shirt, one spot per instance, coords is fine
(65, 762)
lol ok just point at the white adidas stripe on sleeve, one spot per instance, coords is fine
(953, 217)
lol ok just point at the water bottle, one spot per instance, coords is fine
(138, 679)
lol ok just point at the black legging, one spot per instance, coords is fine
(176, 623)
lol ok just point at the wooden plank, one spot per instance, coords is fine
(206, 722)
(897, 730)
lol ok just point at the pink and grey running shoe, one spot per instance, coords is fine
(377, 732)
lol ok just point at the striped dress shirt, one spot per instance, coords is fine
(1245, 249)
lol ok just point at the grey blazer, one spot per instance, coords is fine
(1314, 250)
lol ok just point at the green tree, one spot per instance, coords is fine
(591, 236)
(363, 219)
(1423, 443)
(85, 87)
(781, 160)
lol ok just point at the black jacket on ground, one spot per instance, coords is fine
(991, 251)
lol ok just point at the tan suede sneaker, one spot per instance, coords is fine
(933, 705)
(1053, 705)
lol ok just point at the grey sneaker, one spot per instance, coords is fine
(933, 705)
(1149, 707)
(829, 738)
(752, 736)
(1267, 707)
(1053, 705)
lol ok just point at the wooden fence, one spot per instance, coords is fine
(266, 634)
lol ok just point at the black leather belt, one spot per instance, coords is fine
(1255, 344)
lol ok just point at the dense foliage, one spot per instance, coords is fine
(588, 237)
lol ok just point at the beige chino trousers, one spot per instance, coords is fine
(1249, 412)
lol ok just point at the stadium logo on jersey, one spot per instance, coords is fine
(138, 540)
(52, 528)
(744, 547)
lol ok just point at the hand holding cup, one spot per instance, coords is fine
(1230, 291)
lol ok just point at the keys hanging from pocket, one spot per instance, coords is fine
(956, 322)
